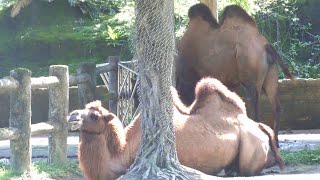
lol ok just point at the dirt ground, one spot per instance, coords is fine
(289, 141)
(294, 141)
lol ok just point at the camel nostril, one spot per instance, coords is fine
(74, 116)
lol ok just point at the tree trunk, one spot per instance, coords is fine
(156, 157)
(213, 5)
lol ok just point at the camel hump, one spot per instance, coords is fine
(235, 11)
(203, 11)
(208, 86)
(266, 129)
(274, 55)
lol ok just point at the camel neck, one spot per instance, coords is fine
(115, 137)
(133, 139)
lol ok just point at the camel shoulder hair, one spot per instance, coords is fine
(208, 86)
(235, 11)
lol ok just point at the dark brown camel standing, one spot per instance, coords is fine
(234, 52)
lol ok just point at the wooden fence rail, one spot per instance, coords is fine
(20, 85)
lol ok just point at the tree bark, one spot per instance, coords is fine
(156, 157)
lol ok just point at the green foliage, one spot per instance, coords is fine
(111, 25)
(97, 7)
(60, 34)
(181, 8)
(308, 157)
(5, 4)
(114, 28)
(280, 22)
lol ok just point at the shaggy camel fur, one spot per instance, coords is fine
(212, 134)
(234, 52)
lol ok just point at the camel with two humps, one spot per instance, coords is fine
(212, 134)
(232, 51)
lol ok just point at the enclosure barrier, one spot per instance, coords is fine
(20, 85)
(120, 80)
(87, 81)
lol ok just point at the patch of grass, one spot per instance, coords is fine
(59, 170)
(5, 173)
(42, 170)
(308, 157)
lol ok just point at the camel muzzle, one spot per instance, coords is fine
(75, 119)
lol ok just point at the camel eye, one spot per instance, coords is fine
(94, 116)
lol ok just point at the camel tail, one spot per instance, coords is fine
(275, 56)
(266, 129)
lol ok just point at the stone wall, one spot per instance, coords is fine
(300, 104)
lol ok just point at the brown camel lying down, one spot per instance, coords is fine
(213, 134)
(233, 52)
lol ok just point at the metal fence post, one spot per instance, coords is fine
(113, 82)
(58, 112)
(87, 91)
(20, 118)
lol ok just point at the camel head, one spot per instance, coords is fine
(92, 119)
(102, 140)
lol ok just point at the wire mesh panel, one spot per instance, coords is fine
(105, 78)
(127, 92)
(127, 98)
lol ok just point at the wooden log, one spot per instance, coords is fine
(58, 112)
(44, 82)
(45, 128)
(79, 79)
(8, 84)
(20, 118)
(113, 82)
(9, 133)
(105, 67)
(87, 90)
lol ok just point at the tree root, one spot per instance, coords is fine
(174, 171)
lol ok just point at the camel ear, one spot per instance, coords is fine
(109, 117)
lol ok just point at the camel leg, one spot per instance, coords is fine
(257, 106)
(276, 110)
(270, 87)
(253, 97)
(254, 147)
